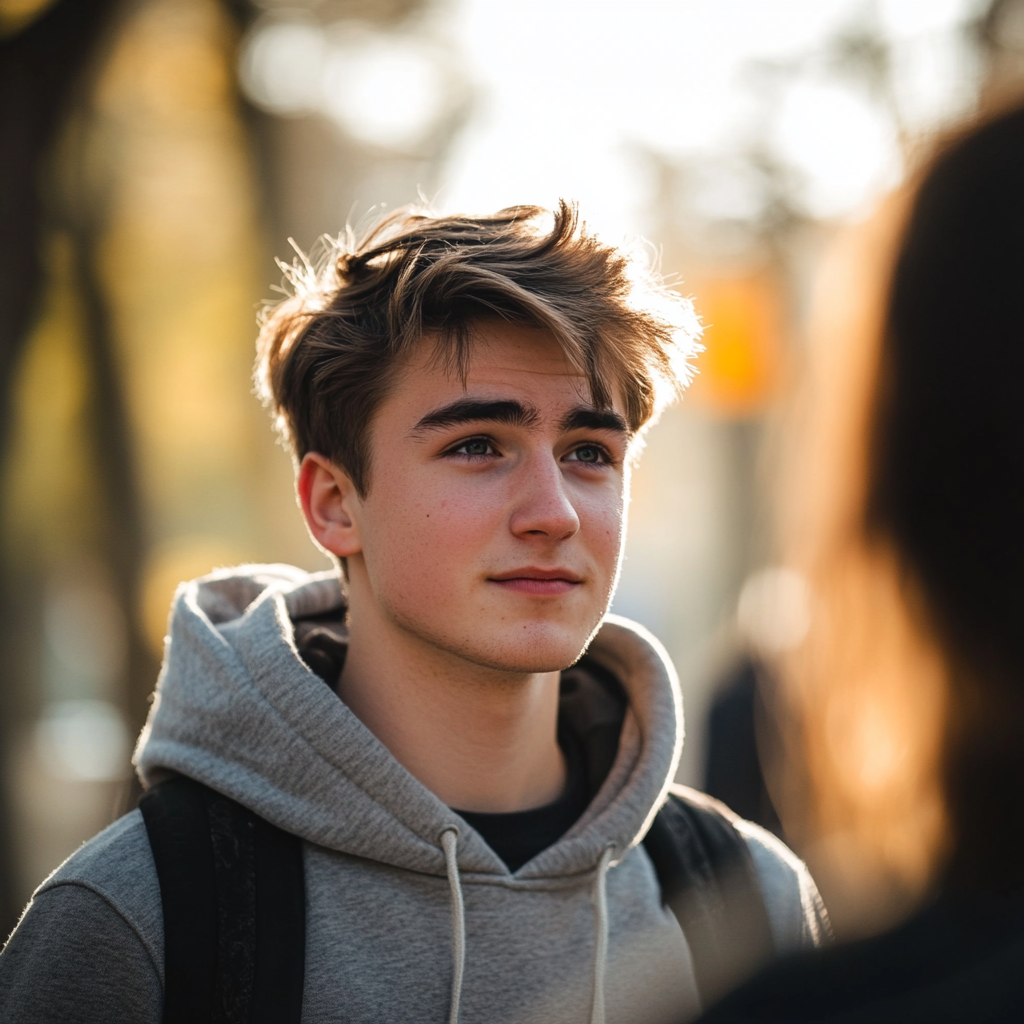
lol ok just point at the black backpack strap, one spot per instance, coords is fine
(709, 881)
(233, 895)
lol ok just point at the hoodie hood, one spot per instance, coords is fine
(238, 709)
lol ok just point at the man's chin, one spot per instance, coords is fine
(528, 651)
(520, 646)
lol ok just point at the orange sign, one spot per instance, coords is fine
(743, 324)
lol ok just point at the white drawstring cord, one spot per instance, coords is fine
(601, 934)
(450, 842)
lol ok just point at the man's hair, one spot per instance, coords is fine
(329, 352)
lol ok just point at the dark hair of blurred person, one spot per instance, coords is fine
(907, 517)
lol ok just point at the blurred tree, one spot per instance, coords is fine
(316, 173)
(42, 62)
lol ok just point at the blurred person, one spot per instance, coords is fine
(742, 732)
(483, 826)
(733, 771)
(910, 685)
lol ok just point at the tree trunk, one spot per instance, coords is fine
(40, 67)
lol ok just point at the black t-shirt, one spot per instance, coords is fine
(521, 835)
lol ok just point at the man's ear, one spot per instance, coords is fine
(329, 502)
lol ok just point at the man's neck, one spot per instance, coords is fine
(480, 739)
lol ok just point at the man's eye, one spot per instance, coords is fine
(587, 453)
(478, 446)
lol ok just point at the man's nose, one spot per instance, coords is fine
(542, 505)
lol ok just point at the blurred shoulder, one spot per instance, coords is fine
(795, 911)
(117, 865)
(796, 914)
(89, 947)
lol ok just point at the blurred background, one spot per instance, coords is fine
(155, 155)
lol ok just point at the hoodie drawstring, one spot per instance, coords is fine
(601, 934)
(450, 842)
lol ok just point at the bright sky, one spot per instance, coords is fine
(570, 87)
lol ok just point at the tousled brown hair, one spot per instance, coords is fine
(328, 353)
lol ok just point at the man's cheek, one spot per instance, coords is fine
(457, 524)
(432, 543)
(606, 529)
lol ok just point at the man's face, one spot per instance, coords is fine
(495, 515)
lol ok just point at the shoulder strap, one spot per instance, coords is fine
(709, 881)
(233, 895)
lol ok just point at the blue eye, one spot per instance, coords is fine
(587, 453)
(478, 446)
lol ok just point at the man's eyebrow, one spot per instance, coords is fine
(471, 410)
(586, 418)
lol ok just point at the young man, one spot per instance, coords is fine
(469, 748)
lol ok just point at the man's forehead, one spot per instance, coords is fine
(504, 361)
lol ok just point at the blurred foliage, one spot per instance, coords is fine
(52, 507)
(137, 456)
(183, 264)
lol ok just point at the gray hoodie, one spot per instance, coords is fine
(399, 889)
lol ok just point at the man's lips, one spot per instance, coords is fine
(537, 582)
